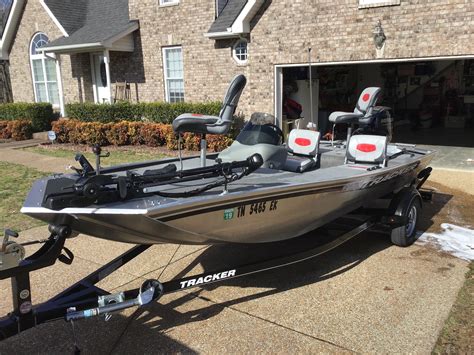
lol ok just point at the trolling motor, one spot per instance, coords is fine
(65, 192)
(87, 168)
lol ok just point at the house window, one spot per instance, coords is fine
(45, 80)
(375, 3)
(240, 51)
(174, 75)
(168, 2)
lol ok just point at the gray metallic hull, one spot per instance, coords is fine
(266, 206)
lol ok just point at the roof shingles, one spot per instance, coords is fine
(228, 16)
(90, 21)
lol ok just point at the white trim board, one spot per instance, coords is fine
(369, 61)
(241, 24)
(119, 211)
(10, 28)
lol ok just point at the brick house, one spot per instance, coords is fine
(172, 50)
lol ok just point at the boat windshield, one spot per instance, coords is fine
(259, 134)
(260, 130)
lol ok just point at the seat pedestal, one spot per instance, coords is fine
(203, 150)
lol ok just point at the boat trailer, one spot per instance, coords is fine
(84, 299)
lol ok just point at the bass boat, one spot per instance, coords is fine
(258, 190)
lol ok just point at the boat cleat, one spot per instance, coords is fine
(11, 253)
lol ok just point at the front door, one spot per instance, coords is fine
(102, 90)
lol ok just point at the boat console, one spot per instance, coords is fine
(260, 135)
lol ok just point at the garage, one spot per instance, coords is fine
(432, 101)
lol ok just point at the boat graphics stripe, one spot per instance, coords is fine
(281, 195)
(250, 201)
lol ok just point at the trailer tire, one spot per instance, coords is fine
(405, 235)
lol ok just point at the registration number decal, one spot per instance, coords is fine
(257, 208)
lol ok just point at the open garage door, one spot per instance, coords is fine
(432, 101)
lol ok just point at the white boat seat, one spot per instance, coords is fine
(362, 111)
(303, 149)
(367, 149)
(202, 124)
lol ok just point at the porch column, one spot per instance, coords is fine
(62, 107)
(107, 71)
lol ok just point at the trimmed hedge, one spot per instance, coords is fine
(159, 112)
(131, 133)
(19, 130)
(40, 114)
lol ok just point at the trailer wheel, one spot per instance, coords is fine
(405, 235)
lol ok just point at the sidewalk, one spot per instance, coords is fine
(366, 296)
(12, 153)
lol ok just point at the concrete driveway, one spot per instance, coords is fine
(365, 296)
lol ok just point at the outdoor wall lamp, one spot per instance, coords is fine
(379, 35)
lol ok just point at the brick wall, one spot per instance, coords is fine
(281, 33)
(208, 66)
(339, 31)
(76, 77)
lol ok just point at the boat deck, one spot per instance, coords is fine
(332, 171)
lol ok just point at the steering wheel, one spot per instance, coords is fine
(278, 130)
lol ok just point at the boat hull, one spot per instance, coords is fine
(253, 217)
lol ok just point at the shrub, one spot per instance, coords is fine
(89, 133)
(153, 134)
(104, 113)
(40, 114)
(218, 143)
(62, 128)
(136, 133)
(21, 130)
(118, 134)
(5, 130)
(159, 112)
(18, 130)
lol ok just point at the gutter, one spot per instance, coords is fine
(72, 47)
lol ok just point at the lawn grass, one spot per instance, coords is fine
(457, 336)
(15, 183)
(117, 157)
